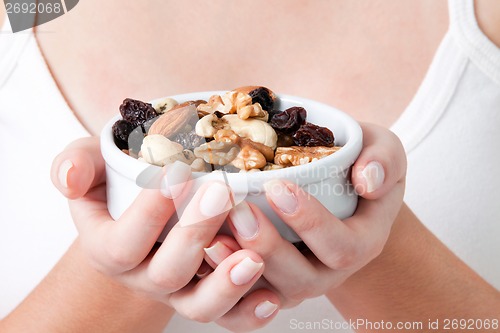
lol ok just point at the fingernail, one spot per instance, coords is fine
(374, 175)
(281, 196)
(245, 271)
(265, 309)
(218, 252)
(63, 172)
(214, 200)
(203, 271)
(244, 221)
(174, 181)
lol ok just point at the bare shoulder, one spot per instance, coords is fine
(488, 17)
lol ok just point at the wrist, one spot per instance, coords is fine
(74, 297)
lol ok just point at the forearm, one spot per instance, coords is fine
(416, 278)
(76, 298)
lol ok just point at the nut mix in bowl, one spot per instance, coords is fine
(240, 130)
(250, 134)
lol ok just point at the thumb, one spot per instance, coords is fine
(78, 168)
(381, 164)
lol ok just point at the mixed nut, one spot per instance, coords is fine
(239, 131)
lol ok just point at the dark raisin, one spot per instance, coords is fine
(264, 97)
(272, 113)
(189, 140)
(137, 112)
(310, 135)
(289, 120)
(285, 140)
(121, 131)
(219, 114)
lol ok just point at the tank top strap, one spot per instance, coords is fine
(12, 46)
(475, 44)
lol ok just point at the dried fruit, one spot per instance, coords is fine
(262, 95)
(291, 156)
(121, 131)
(289, 120)
(137, 112)
(310, 135)
(285, 140)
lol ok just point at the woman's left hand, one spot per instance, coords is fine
(336, 249)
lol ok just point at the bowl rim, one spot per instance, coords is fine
(341, 160)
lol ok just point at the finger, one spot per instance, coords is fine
(204, 270)
(254, 311)
(221, 247)
(78, 168)
(338, 244)
(381, 164)
(216, 294)
(286, 268)
(118, 246)
(178, 258)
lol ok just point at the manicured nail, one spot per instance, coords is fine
(203, 271)
(245, 271)
(63, 172)
(374, 175)
(174, 181)
(265, 309)
(244, 221)
(218, 252)
(214, 200)
(281, 196)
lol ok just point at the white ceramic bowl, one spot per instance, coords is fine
(327, 179)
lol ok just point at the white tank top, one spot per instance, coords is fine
(450, 130)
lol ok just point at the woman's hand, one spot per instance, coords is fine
(173, 272)
(336, 249)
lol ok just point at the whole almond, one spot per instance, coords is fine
(173, 121)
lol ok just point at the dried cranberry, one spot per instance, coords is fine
(289, 120)
(137, 112)
(264, 97)
(310, 135)
(189, 140)
(121, 131)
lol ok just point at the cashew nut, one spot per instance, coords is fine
(209, 125)
(158, 150)
(256, 130)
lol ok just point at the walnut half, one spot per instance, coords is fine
(295, 155)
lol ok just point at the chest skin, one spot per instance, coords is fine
(367, 58)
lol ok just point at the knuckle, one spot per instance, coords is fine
(165, 281)
(119, 258)
(343, 259)
(193, 313)
(306, 224)
(299, 295)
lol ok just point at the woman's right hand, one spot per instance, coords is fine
(173, 272)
